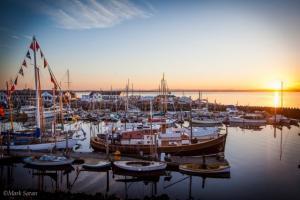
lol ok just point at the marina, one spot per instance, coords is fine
(150, 140)
(141, 99)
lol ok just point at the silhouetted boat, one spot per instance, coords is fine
(211, 146)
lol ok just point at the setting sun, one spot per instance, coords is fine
(274, 85)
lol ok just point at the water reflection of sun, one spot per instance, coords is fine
(276, 99)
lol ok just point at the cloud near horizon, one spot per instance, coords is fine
(89, 14)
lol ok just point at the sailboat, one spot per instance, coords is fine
(35, 139)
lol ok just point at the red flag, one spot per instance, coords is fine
(2, 113)
(53, 81)
(32, 46)
(45, 63)
(24, 63)
(37, 46)
(12, 88)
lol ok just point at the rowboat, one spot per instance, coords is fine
(212, 168)
(140, 166)
(48, 161)
(98, 165)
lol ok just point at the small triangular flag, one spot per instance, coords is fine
(42, 55)
(34, 45)
(21, 71)
(16, 81)
(24, 63)
(37, 46)
(28, 55)
(52, 80)
(45, 63)
(12, 88)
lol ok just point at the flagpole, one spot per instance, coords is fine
(37, 96)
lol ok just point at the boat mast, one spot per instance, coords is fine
(68, 82)
(191, 123)
(281, 101)
(11, 117)
(37, 92)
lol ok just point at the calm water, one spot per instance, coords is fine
(290, 99)
(264, 165)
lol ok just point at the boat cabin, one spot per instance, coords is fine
(173, 137)
(139, 137)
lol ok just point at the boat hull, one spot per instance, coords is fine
(207, 147)
(144, 166)
(43, 146)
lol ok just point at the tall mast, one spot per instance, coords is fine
(68, 76)
(37, 92)
(281, 101)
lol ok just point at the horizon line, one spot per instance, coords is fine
(174, 90)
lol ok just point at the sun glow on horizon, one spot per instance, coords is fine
(275, 85)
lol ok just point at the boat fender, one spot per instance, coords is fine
(117, 155)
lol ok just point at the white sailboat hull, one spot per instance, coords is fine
(237, 120)
(207, 122)
(43, 146)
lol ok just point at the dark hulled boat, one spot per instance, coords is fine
(211, 146)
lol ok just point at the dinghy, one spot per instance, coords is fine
(193, 168)
(140, 166)
(98, 165)
(48, 161)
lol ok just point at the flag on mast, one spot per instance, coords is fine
(34, 45)
(52, 79)
(16, 81)
(28, 55)
(21, 71)
(45, 63)
(24, 63)
(12, 89)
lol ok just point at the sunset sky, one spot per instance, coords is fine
(197, 44)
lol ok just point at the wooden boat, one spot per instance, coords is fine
(98, 165)
(48, 161)
(212, 168)
(211, 146)
(140, 166)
